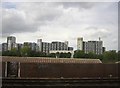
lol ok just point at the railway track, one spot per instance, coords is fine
(60, 83)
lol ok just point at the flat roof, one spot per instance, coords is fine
(48, 60)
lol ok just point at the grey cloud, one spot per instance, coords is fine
(15, 23)
(52, 19)
(91, 27)
(119, 26)
(42, 11)
(84, 5)
(48, 15)
(33, 18)
(0, 21)
(98, 32)
(0, 47)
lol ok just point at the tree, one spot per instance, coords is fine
(92, 55)
(110, 56)
(79, 54)
(57, 55)
(100, 56)
(62, 55)
(14, 52)
(25, 51)
(51, 55)
(65, 55)
(68, 55)
(0, 53)
(118, 55)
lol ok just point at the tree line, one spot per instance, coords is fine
(27, 52)
(107, 56)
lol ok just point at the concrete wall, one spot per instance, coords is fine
(68, 70)
(55, 70)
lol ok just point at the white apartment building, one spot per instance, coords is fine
(80, 43)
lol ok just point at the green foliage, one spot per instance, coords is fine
(57, 54)
(0, 53)
(51, 55)
(68, 55)
(108, 56)
(118, 55)
(12, 52)
(79, 54)
(94, 56)
(36, 54)
(65, 55)
(25, 51)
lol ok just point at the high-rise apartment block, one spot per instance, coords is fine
(4, 47)
(39, 43)
(40, 46)
(18, 46)
(93, 46)
(59, 45)
(46, 47)
(90, 46)
(43, 46)
(80, 43)
(53, 46)
(11, 41)
(32, 46)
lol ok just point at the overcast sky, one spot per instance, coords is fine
(61, 21)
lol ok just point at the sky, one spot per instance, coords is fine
(61, 21)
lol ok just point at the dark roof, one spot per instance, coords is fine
(48, 60)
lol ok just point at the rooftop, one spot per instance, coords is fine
(48, 60)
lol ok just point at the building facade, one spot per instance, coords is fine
(90, 46)
(39, 43)
(59, 45)
(70, 48)
(54, 46)
(18, 46)
(94, 47)
(31, 45)
(40, 46)
(4, 47)
(80, 43)
(46, 47)
(11, 41)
